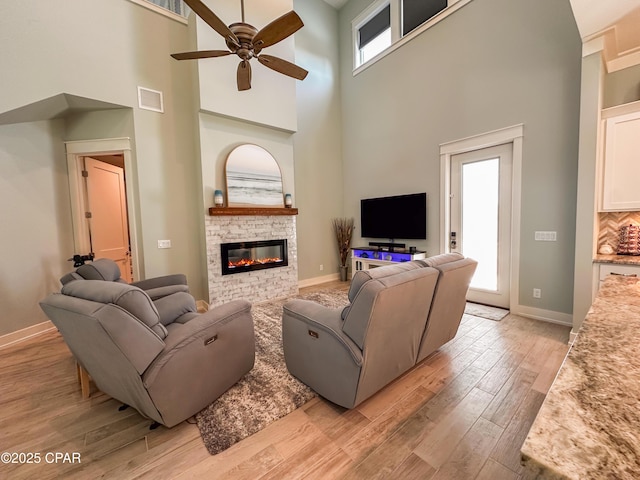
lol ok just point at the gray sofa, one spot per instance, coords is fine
(397, 316)
(162, 358)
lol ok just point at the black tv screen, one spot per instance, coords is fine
(397, 217)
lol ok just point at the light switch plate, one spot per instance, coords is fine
(164, 243)
(545, 236)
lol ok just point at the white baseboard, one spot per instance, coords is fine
(544, 315)
(309, 282)
(572, 337)
(22, 335)
(202, 306)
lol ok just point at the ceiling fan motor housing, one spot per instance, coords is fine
(245, 33)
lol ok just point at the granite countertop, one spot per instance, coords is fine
(620, 259)
(589, 424)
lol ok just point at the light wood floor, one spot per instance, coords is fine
(463, 413)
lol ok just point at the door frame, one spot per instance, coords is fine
(76, 150)
(501, 296)
(515, 136)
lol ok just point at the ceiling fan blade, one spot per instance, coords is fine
(211, 19)
(244, 75)
(278, 30)
(200, 54)
(282, 66)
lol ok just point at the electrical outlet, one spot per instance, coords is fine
(164, 243)
(321, 267)
(537, 293)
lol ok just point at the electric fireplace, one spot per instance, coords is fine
(248, 256)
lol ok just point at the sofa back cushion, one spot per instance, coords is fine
(100, 269)
(441, 259)
(112, 346)
(402, 296)
(363, 276)
(386, 321)
(448, 304)
(128, 297)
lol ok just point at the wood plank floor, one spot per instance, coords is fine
(463, 413)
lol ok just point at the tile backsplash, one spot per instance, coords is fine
(610, 223)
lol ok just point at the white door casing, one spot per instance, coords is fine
(513, 135)
(76, 150)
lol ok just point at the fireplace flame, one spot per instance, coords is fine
(246, 262)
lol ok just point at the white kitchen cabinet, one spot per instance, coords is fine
(620, 190)
(617, 269)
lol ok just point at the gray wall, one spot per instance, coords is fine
(35, 215)
(102, 51)
(492, 64)
(317, 144)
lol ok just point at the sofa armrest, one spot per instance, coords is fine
(318, 353)
(220, 341)
(172, 307)
(319, 317)
(159, 287)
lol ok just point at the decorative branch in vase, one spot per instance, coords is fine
(343, 228)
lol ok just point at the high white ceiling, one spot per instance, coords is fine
(336, 3)
(593, 16)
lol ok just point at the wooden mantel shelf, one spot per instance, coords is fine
(219, 211)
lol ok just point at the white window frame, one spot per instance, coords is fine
(371, 11)
(163, 11)
(397, 40)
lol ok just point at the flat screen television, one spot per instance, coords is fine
(398, 217)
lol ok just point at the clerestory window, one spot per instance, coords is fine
(374, 35)
(385, 23)
(175, 9)
(175, 6)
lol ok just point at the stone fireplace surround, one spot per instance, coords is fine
(257, 285)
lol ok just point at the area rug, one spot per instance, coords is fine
(268, 392)
(485, 311)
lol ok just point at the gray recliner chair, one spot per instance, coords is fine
(162, 358)
(108, 270)
(347, 355)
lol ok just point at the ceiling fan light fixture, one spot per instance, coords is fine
(247, 42)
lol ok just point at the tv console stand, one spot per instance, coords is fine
(388, 247)
(365, 258)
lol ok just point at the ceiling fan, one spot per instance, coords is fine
(247, 42)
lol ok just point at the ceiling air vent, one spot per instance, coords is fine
(150, 100)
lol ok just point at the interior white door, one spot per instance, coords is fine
(481, 219)
(107, 222)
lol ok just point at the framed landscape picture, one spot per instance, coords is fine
(253, 178)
